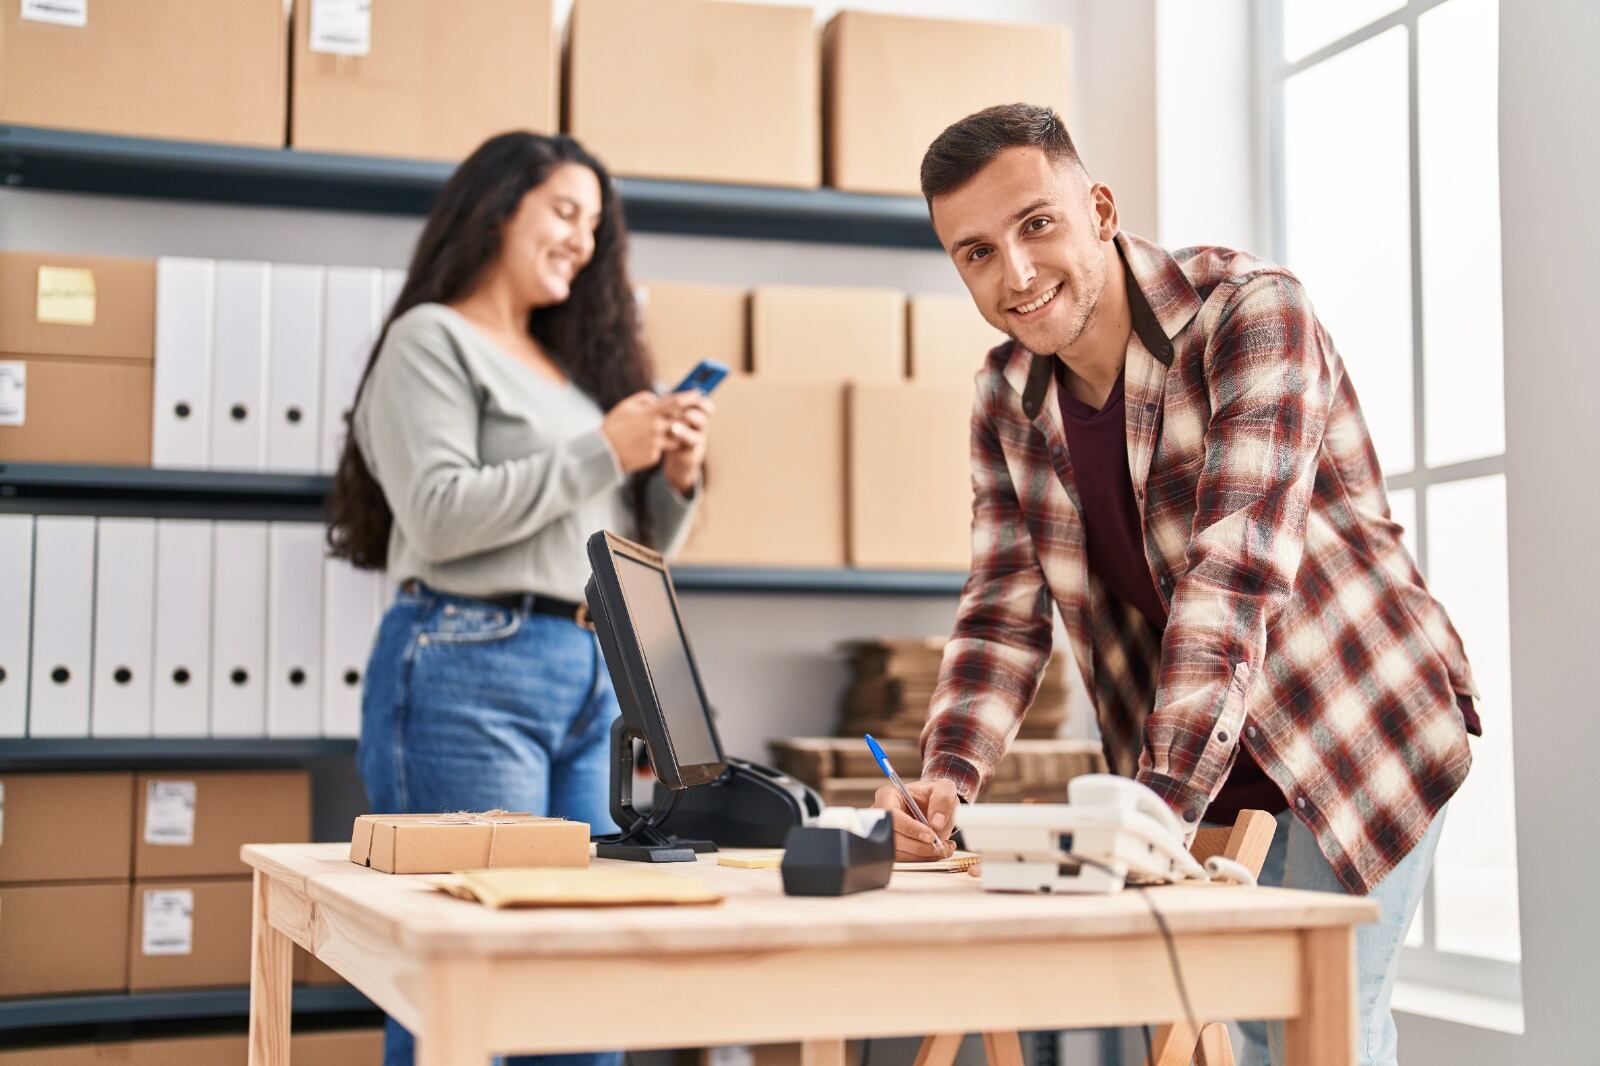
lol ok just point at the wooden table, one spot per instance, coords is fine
(933, 953)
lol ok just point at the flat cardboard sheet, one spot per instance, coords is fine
(596, 886)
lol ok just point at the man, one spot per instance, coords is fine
(1171, 451)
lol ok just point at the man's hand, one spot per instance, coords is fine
(912, 841)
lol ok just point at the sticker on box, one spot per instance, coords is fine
(58, 12)
(168, 921)
(13, 394)
(66, 296)
(341, 27)
(169, 813)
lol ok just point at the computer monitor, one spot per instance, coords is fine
(652, 667)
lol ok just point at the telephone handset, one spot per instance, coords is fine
(1152, 820)
(1112, 828)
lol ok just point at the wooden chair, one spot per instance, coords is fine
(1176, 1044)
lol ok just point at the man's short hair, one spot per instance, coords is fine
(966, 147)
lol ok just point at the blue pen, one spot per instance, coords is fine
(888, 771)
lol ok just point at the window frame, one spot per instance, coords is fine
(1425, 964)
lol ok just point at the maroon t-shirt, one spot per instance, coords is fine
(1097, 445)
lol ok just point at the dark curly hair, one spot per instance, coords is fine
(593, 336)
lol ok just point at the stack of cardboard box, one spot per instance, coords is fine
(132, 881)
(77, 339)
(843, 770)
(894, 684)
(842, 437)
(695, 90)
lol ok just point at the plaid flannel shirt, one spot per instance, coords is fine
(1299, 626)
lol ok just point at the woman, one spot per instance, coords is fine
(505, 415)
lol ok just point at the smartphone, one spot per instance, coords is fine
(706, 375)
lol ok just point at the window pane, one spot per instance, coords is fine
(1475, 872)
(1347, 223)
(1403, 506)
(1310, 24)
(1457, 61)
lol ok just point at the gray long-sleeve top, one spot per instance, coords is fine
(497, 476)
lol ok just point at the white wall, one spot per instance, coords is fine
(1549, 170)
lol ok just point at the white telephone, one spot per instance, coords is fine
(1110, 828)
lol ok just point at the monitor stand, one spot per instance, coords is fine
(639, 840)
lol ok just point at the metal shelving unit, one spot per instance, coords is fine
(46, 1011)
(62, 160)
(216, 494)
(65, 161)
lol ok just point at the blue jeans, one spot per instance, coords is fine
(470, 707)
(1295, 861)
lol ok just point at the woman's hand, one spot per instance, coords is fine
(686, 440)
(639, 429)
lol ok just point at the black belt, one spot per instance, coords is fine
(532, 603)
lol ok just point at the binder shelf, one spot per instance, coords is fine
(43, 488)
(161, 753)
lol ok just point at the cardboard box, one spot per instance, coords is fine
(66, 827)
(426, 80)
(56, 939)
(774, 483)
(442, 843)
(189, 934)
(910, 480)
(232, 1049)
(947, 340)
(82, 305)
(111, 1053)
(814, 333)
(336, 1047)
(199, 821)
(698, 90)
(893, 83)
(684, 324)
(95, 411)
(186, 69)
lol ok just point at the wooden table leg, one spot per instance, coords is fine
(453, 1017)
(822, 1052)
(939, 1049)
(271, 983)
(1325, 1032)
(1003, 1049)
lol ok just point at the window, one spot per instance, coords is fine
(1383, 149)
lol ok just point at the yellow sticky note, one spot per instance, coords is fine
(66, 296)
